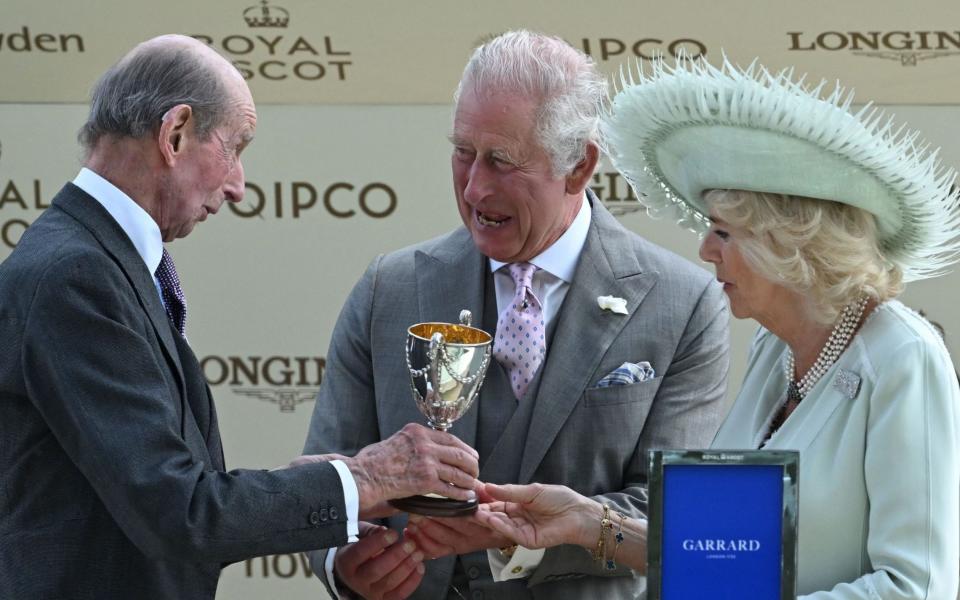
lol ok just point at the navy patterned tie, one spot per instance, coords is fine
(172, 293)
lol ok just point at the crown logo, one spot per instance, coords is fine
(266, 16)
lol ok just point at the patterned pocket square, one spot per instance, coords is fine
(628, 373)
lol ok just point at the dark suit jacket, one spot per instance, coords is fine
(112, 481)
(565, 430)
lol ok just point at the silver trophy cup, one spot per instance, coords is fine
(447, 363)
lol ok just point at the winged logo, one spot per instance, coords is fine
(619, 208)
(907, 58)
(286, 398)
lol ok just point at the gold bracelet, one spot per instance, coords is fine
(618, 541)
(507, 551)
(605, 524)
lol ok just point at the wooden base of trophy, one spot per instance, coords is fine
(435, 506)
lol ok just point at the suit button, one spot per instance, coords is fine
(334, 514)
(473, 572)
(324, 514)
(314, 518)
(477, 595)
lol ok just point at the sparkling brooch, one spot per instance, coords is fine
(847, 382)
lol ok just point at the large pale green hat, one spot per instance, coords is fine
(677, 131)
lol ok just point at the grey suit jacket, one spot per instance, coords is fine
(112, 482)
(591, 439)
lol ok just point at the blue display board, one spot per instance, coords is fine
(723, 525)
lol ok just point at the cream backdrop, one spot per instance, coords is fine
(343, 169)
(264, 291)
(389, 52)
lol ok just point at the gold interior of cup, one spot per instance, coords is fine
(452, 334)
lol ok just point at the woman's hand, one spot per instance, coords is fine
(539, 515)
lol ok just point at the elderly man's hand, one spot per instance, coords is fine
(438, 537)
(415, 460)
(380, 566)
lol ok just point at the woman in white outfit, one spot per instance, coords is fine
(813, 217)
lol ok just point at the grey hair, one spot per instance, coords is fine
(827, 251)
(571, 91)
(132, 97)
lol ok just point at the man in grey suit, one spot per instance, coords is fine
(112, 477)
(605, 380)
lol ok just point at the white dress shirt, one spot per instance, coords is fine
(144, 233)
(132, 219)
(556, 266)
(550, 285)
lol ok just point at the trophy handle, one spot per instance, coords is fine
(435, 355)
(466, 317)
(436, 344)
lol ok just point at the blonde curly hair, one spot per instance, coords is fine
(826, 251)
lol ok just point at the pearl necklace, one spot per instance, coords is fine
(836, 343)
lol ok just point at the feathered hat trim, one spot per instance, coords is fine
(691, 127)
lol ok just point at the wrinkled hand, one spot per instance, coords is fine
(307, 459)
(380, 566)
(415, 460)
(455, 535)
(538, 515)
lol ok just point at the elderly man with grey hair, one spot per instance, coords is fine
(601, 381)
(112, 477)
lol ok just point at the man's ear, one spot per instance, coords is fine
(174, 126)
(578, 179)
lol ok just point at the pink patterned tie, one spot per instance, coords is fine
(520, 345)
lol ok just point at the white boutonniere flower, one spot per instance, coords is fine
(613, 304)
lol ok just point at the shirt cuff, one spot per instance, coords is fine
(331, 578)
(521, 565)
(351, 500)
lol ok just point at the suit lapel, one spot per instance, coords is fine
(608, 266)
(200, 403)
(450, 279)
(810, 416)
(98, 221)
